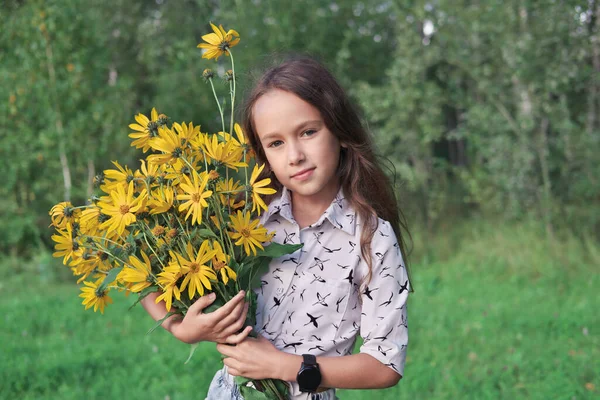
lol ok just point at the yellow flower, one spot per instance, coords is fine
(145, 130)
(162, 200)
(121, 209)
(148, 173)
(117, 177)
(169, 143)
(63, 214)
(197, 273)
(220, 263)
(198, 144)
(216, 221)
(137, 273)
(219, 42)
(187, 133)
(92, 296)
(227, 189)
(177, 169)
(167, 295)
(90, 220)
(167, 279)
(90, 262)
(241, 138)
(195, 197)
(226, 153)
(67, 246)
(240, 142)
(259, 188)
(249, 234)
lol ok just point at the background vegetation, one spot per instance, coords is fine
(488, 110)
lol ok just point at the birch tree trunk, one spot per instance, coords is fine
(64, 162)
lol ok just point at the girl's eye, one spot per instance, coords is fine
(275, 143)
(309, 132)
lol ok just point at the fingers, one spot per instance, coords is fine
(238, 338)
(233, 326)
(202, 303)
(233, 317)
(232, 366)
(228, 307)
(225, 349)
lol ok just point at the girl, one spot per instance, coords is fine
(349, 278)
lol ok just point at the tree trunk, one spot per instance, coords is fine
(62, 154)
(543, 153)
(593, 90)
(91, 174)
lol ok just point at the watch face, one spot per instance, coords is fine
(310, 377)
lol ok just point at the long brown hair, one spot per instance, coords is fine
(364, 183)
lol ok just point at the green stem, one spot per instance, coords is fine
(246, 173)
(232, 92)
(218, 104)
(183, 230)
(152, 249)
(103, 238)
(222, 223)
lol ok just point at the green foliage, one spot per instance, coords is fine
(484, 109)
(488, 98)
(110, 278)
(501, 313)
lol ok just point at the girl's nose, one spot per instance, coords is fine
(295, 153)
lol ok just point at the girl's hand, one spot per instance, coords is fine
(252, 358)
(220, 326)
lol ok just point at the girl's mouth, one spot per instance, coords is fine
(304, 174)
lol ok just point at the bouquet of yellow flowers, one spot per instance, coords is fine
(183, 224)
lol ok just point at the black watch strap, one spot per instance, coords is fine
(309, 376)
(309, 359)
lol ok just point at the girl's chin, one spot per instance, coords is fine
(314, 192)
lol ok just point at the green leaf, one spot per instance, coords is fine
(143, 294)
(160, 321)
(205, 233)
(110, 278)
(281, 386)
(275, 250)
(249, 273)
(251, 393)
(241, 380)
(251, 315)
(193, 348)
(261, 268)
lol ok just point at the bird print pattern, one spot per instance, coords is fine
(317, 301)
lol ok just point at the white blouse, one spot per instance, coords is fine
(311, 301)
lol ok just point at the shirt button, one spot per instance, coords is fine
(279, 290)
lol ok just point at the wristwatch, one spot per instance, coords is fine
(309, 376)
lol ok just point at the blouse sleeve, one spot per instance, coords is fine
(384, 327)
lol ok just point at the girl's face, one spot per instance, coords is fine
(301, 151)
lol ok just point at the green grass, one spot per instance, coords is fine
(499, 314)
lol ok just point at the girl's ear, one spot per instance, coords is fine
(344, 145)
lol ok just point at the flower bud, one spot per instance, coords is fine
(208, 74)
(162, 120)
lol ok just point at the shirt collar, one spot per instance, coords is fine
(339, 213)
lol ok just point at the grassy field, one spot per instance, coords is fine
(498, 313)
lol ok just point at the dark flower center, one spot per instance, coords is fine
(152, 129)
(177, 152)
